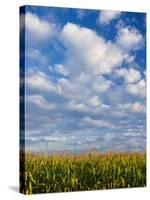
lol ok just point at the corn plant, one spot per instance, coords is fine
(92, 171)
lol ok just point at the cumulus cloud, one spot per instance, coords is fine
(36, 57)
(96, 122)
(38, 28)
(59, 68)
(91, 105)
(72, 89)
(59, 138)
(84, 77)
(88, 50)
(106, 16)
(75, 106)
(135, 107)
(39, 101)
(100, 84)
(129, 38)
(94, 101)
(130, 75)
(40, 81)
(90, 83)
(137, 89)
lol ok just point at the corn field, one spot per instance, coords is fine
(92, 171)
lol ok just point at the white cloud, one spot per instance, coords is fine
(39, 28)
(84, 77)
(72, 89)
(130, 59)
(89, 105)
(36, 56)
(106, 16)
(87, 50)
(94, 101)
(61, 69)
(96, 122)
(129, 38)
(92, 105)
(97, 84)
(39, 101)
(133, 107)
(138, 89)
(73, 105)
(40, 81)
(130, 75)
(100, 84)
(105, 106)
(60, 138)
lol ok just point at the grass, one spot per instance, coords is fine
(92, 171)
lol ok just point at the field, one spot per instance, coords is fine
(65, 173)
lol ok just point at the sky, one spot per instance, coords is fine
(85, 80)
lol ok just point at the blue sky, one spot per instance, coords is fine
(85, 79)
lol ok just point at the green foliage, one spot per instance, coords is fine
(83, 172)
